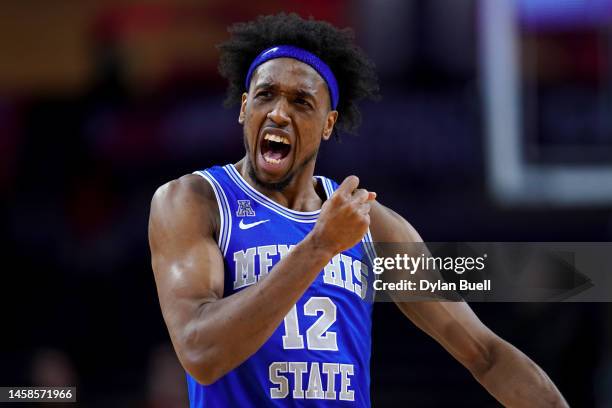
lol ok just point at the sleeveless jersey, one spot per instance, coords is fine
(320, 354)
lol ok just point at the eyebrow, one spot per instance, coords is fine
(304, 94)
(265, 85)
(301, 92)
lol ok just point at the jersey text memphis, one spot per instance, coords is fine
(320, 354)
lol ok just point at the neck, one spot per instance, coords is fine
(299, 194)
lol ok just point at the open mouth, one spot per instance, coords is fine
(274, 148)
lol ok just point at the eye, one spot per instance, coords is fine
(263, 94)
(302, 101)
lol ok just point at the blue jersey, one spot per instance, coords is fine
(320, 354)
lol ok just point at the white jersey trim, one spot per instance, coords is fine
(225, 229)
(298, 216)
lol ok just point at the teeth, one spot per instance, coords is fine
(277, 139)
(271, 160)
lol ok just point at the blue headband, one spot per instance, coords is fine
(289, 51)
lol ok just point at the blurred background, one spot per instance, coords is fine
(495, 125)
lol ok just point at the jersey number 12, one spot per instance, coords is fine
(317, 336)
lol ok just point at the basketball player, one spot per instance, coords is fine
(259, 264)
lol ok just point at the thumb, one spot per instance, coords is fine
(348, 185)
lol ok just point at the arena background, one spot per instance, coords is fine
(103, 101)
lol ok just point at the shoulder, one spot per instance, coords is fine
(189, 199)
(388, 226)
(187, 186)
(187, 191)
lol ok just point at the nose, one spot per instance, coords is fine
(279, 114)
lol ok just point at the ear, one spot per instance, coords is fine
(332, 117)
(243, 108)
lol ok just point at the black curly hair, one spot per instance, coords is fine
(354, 72)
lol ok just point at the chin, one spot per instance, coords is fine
(270, 183)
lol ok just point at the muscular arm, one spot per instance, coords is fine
(212, 334)
(508, 374)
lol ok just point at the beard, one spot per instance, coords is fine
(276, 185)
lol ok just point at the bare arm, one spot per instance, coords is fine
(212, 334)
(508, 374)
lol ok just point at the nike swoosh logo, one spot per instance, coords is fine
(244, 226)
